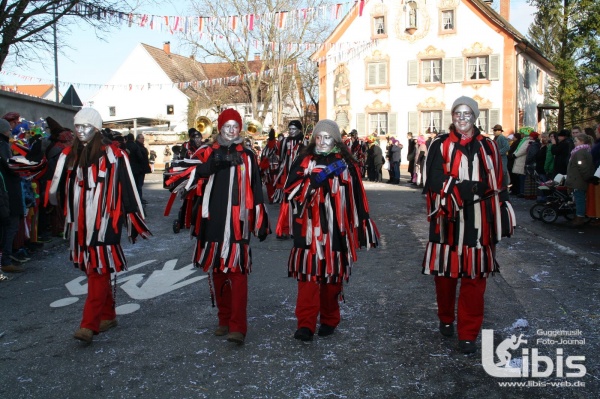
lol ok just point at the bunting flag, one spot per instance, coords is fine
(185, 24)
(361, 6)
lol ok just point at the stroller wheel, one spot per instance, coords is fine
(549, 215)
(176, 226)
(536, 211)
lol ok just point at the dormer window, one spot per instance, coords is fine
(379, 26)
(448, 20)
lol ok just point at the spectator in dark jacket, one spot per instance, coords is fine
(561, 150)
(9, 226)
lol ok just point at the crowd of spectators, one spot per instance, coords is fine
(29, 152)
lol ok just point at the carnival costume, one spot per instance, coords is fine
(287, 150)
(223, 184)
(269, 166)
(469, 212)
(330, 213)
(96, 201)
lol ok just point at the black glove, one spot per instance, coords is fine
(219, 161)
(468, 189)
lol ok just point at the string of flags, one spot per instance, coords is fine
(336, 52)
(205, 24)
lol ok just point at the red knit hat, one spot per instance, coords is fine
(229, 114)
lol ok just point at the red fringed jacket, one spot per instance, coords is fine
(269, 162)
(467, 206)
(227, 205)
(287, 150)
(96, 201)
(329, 222)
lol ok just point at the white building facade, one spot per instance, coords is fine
(424, 55)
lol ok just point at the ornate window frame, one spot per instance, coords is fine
(379, 11)
(377, 58)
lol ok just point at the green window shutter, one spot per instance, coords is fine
(372, 75)
(494, 117)
(447, 66)
(413, 72)
(361, 124)
(382, 74)
(392, 128)
(413, 123)
(494, 67)
(459, 66)
(446, 120)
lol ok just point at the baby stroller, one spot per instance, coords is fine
(559, 202)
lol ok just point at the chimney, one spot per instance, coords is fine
(256, 56)
(505, 9)
(167, 47)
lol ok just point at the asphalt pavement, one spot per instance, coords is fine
(387, 345)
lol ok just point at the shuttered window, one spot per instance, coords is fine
(361, 124)
(413, 72)
(392, 123)
(431, 71)
(377, 72)
(413, 123)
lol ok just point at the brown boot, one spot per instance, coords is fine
(84, 334)
(578, 221)
(236, 337)
(106, 325)
(221, 331)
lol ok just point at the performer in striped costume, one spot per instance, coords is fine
(94, 185)
(469, 212)
(330, 213)
(228, 206)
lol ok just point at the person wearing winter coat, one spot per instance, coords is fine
(469, 213)
(331, 221)
(503, 147)
(11, 183)
(520, 156)
(95, 187)
(394, 156)
(561, 149)
(579, 171)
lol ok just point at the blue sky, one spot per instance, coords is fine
(91, 61)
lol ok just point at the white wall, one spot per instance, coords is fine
(139, 70)
(404, 98)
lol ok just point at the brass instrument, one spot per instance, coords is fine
(253, 127)
(204, 126)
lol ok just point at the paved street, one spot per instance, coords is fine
(387, 345)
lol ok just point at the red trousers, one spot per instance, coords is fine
(231, 293)
(270, 191)
(99, 304)
(470, 304)
(314, 299)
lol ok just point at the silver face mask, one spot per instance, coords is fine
(293, 131)
(463, 119)
(324, 143)
(85, 132)
(230, 130)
